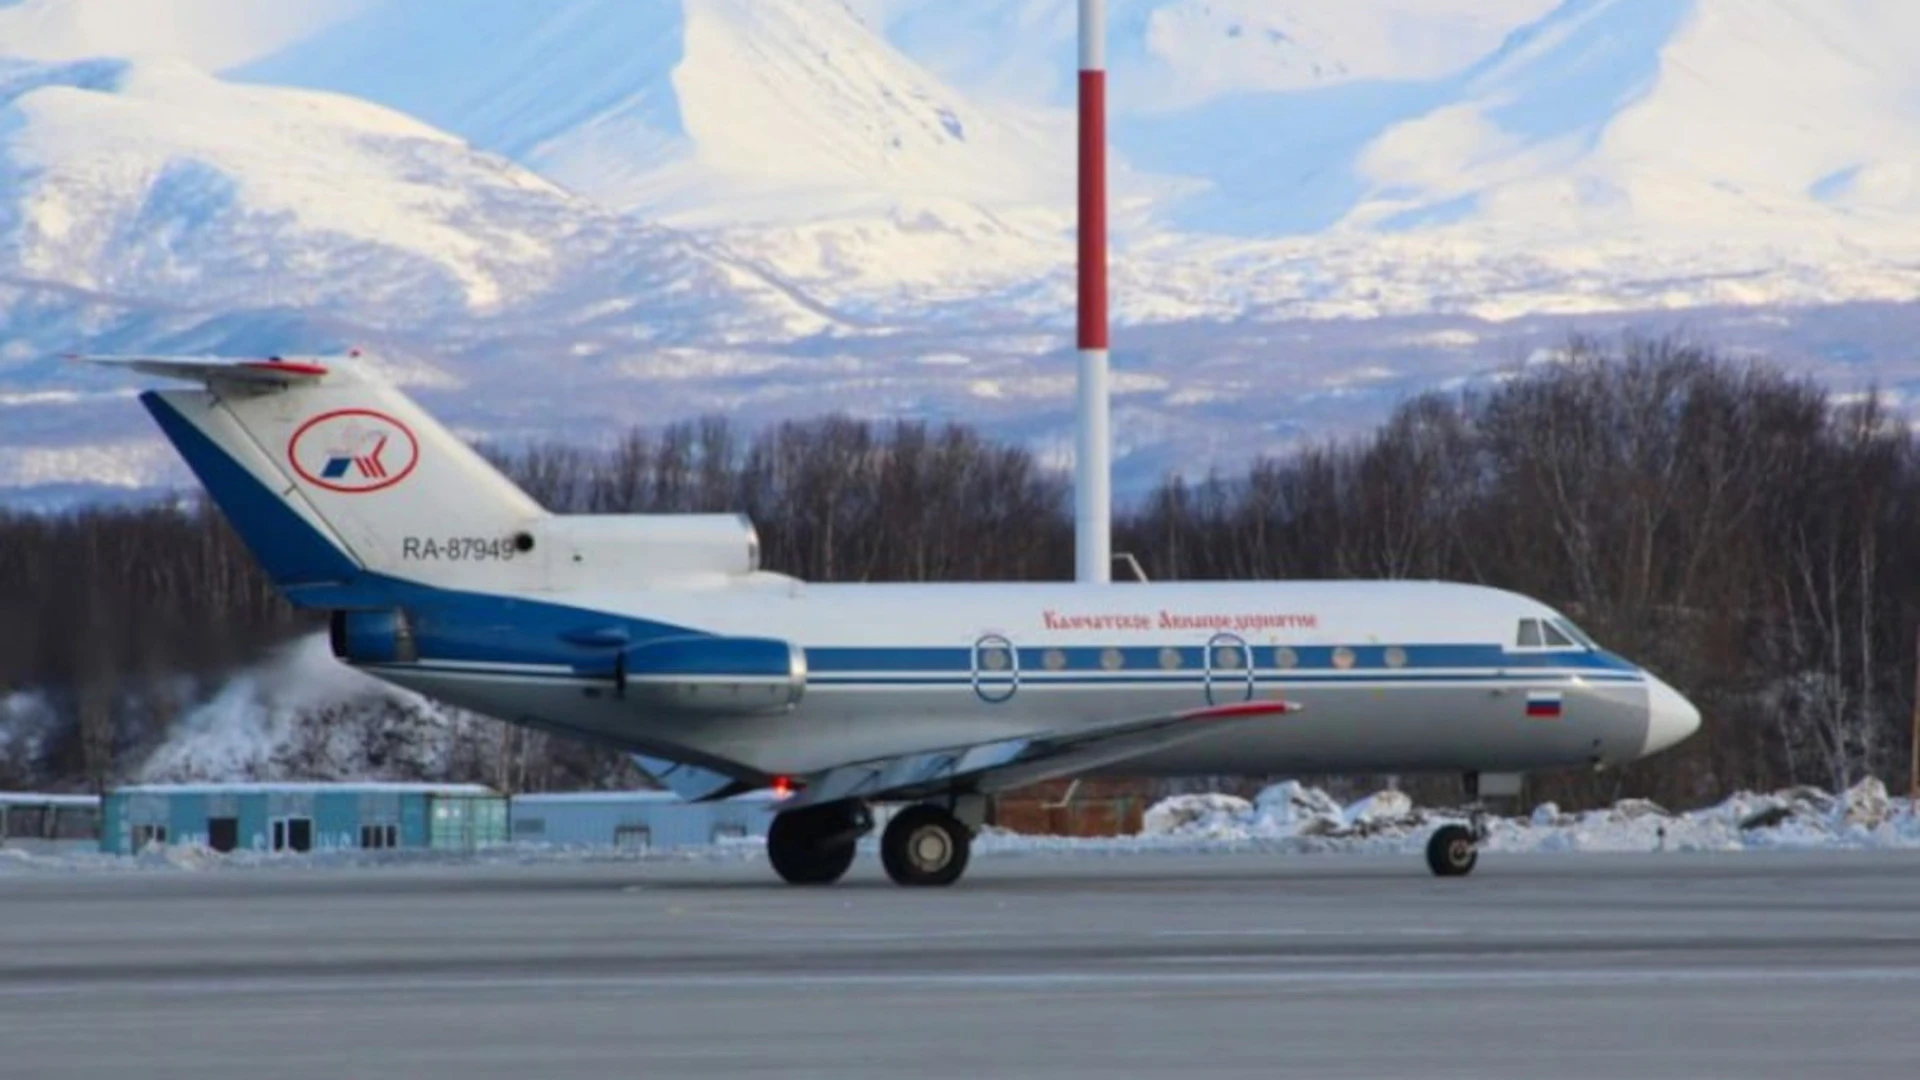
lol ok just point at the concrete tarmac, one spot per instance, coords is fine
(1738, 965)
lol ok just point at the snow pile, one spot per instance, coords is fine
(1292, 816)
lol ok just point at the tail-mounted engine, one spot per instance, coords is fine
(714, 675)
(373, 637)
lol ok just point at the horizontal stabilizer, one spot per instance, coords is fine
(1011, 763)
(241, 371)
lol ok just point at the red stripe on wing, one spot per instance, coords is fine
(291, 367)
(1242, 709)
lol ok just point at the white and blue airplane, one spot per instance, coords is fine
(662, 636)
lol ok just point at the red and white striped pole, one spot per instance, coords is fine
(1093, 470)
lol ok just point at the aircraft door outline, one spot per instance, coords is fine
(996, 668)
(1229, 670)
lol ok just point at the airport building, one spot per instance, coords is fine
(638, 820)
(49, 824)
(303, 817)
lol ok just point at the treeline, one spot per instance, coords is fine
(1739, 531)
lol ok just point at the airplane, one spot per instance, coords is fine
(663, 636)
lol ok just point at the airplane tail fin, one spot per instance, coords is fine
(329, 474)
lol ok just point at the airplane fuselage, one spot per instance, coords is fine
(1393, 676)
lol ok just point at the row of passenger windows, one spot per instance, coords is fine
(1533, 634)
(999, 658)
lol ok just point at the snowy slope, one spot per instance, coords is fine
(113, 180)
(1675, 113)
(1169, 55)
(848, 187)
(695, 107)
(145, 204)
(894, 156)
(211, 34)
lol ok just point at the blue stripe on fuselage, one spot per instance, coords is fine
(1033, 660)
(1143, 680)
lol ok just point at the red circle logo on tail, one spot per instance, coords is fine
(353, 451)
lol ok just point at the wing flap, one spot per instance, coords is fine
(693, 783)
(1010, 763)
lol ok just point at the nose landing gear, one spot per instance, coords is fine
(1453, 850)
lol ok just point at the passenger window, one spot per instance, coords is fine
(1530, 634)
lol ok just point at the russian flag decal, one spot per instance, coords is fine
(1543, 704)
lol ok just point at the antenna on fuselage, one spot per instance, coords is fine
(1093, 466)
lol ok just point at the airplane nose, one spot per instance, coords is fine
(1670, 717)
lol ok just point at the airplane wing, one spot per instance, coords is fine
(696, 783)
(1010, 763)
(263, 372)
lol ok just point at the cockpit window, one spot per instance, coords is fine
(1551, 634)
(1576, 633)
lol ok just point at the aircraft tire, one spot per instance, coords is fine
(795, 849)
(1452, 851)
(925, 845)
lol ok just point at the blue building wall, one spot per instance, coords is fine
(49, 824)
(447, 817)
(329, 817)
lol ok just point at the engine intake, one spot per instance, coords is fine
(373, 637)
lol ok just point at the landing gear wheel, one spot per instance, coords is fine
(815, 846)
(1452, 851)
(925, 845)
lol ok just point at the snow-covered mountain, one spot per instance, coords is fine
(713, 110)
(590, 212)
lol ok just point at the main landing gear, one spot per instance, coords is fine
(815, 845)
(1453, 850)
(924, 844)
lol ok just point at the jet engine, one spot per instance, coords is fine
(373, 637)
(715, 675)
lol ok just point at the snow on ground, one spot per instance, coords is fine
(1287, 818)
(1293, 817)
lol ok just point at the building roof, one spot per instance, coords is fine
(247, 788)
(41, 798)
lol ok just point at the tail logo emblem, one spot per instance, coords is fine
(353, 451)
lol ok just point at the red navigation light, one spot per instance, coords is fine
(782, 787)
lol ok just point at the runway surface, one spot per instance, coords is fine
(1748, 965)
